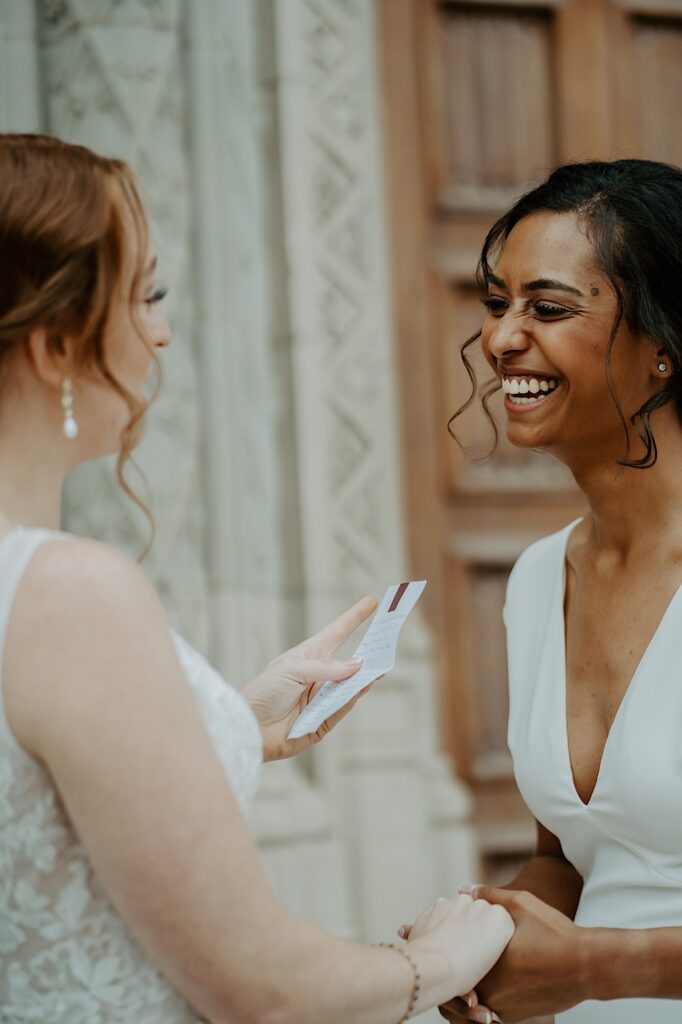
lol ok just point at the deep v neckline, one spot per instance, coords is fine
(628, 692)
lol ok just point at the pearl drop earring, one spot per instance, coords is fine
(70, 425)
(662, 367)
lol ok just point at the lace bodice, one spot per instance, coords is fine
(66, 957)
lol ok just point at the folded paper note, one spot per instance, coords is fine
(377, 651)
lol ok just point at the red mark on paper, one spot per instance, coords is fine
(398, 596)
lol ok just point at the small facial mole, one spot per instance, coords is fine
(594, 290)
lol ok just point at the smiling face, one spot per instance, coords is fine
(546, 335)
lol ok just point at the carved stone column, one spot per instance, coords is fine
(113, 80)
(243, 385)
(403, 818)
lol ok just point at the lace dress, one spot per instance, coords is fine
(66, 957)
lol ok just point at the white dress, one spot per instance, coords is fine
(627, 841)
(66, 957)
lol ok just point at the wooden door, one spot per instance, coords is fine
(481, 100)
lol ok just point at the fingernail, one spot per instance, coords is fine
(468, 888)
(401, 932)
(354, 662)
(469, 1000)
(477, 1015)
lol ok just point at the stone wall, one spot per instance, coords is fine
(271, 454)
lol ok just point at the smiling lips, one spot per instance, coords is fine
(528, 390)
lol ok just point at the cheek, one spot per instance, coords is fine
(131, 359)
(487, 331)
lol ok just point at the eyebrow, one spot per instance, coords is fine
(540, 284)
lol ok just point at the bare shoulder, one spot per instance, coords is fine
(84, 617)
(71, 576)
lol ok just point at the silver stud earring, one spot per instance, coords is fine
(662, 367)
(70, 425)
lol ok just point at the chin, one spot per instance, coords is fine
(526, 437)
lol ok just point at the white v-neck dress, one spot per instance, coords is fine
(627, 841)
(66, 957)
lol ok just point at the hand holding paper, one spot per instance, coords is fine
(377, 650)
(280, 693)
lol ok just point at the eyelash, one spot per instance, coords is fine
(494, 304)
(158, 295)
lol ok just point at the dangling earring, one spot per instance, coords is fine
(70, 425)
(662, 367)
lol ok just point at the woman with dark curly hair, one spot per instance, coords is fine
(583, 280)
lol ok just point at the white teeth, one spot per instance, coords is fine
(523, 400)
(527, 392)
(528, 385)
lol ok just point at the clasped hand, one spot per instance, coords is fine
(543, 970)
(282, 691)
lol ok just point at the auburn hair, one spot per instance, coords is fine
(69, 222)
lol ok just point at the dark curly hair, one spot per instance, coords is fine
(632, 212)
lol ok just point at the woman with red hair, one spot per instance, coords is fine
(130, 887)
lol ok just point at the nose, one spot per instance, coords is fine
(507, 334)
(162, 333)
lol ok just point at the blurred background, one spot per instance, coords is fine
(320, 175)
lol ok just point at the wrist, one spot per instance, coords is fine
(615, 962)
(440, 979)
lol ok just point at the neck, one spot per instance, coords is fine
(635, 508)
(30, 490)
(34, 461)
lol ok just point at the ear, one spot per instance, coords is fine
(662, 367)
(49, 355)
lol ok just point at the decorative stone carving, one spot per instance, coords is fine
(243, 381)
(404, 819)
(114, 81)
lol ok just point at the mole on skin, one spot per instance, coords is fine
(594, 290)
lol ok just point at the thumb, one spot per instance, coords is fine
(313, 670)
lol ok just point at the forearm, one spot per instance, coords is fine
(553, 880)
(632, 963)
(302, 975)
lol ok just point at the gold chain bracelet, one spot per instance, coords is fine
(416, 982)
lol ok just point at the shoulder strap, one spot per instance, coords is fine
(536, 569)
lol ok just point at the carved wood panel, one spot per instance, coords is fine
(656, 61)
(496, 129)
